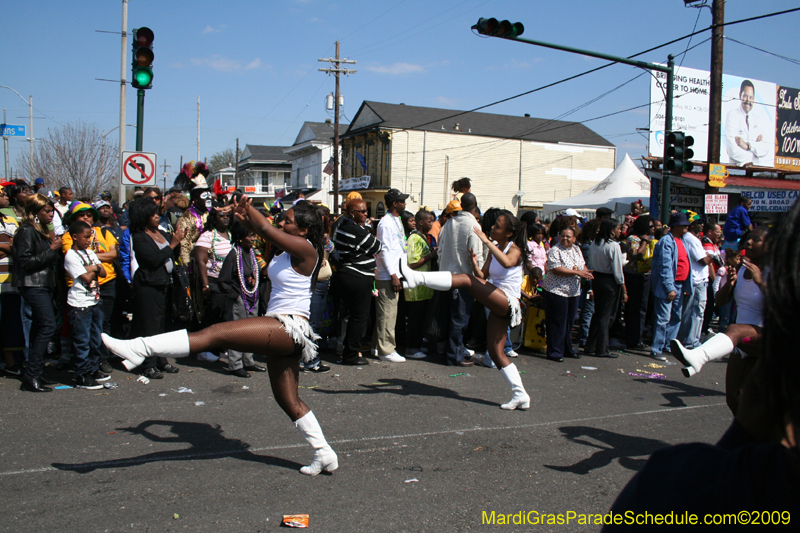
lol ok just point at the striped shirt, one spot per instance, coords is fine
(356, 247)
(8, 227)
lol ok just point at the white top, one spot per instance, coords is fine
(607, 258)
(696, 252)
(291, 292)
(748, 127)
(749, 301)
(509, 280)
(75, 263)
(393, 246)
(221, 247)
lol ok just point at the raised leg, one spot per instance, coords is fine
(490, 296)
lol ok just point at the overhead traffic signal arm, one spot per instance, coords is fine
(142, 64)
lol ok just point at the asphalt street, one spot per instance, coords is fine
(422, 447)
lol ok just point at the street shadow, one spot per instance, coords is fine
(677, 390)
(632, 452)
(405, 387)
(205, 442)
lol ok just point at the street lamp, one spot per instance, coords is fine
(30, 127)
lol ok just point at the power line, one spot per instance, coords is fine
(789, 59)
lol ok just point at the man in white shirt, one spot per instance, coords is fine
(387, 281)
(457, 243)
(747, 138)
(694, 304)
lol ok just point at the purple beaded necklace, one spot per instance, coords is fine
(249, 296)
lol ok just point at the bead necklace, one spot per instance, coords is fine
(400, 232)
(216, 260)
(249, 297)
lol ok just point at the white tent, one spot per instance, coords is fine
(617, 191)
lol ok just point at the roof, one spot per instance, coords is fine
(255, 152)
(401, 116)
(324, 130)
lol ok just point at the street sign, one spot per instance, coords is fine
(716, 204)
(12, 130)
(138, 168)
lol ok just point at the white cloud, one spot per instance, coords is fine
(446, 101)
(210, 29)
(397, 69)
(224, 64)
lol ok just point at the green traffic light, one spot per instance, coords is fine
(143, 77)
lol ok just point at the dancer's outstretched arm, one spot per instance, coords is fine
(511, 259)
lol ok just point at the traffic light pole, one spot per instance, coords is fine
(670, 72)
(139, 119)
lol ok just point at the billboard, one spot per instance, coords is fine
(748, 116)
(787, 129)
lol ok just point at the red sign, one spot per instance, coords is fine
(231, 188)
(138, 168)
(250, 189)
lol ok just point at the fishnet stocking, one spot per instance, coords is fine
(263, 335)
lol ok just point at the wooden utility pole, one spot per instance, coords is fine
(715, 89)
(166, 166)
(336, 70)
(236, 165)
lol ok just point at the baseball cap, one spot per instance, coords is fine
(394, 195)
(100, 203)
(353, 195)
(453, 206)
(571, 213)
(39, 181)
(105, 195)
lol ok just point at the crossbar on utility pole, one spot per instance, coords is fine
(336, 71)
(670, 72)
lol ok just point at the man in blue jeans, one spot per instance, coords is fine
(670, 280)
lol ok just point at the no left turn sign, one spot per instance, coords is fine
(138, 168)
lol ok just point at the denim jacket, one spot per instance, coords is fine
(665, 265)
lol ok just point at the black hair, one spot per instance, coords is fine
(211, 221)
(519, 233)
(489, 218)
(63, 190)
(536, 272)
(468, 201)
(462, 184)
(140, 212)
(325, 213)
(421, 214)
(781, 313)
(605, 233)
(589, 230)
(238, 233)
(78, 227)
(708, 226)
(308, 217)
(13, 190)
(745, 84)
(641, 226)
(406, 217)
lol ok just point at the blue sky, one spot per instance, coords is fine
(254, 63)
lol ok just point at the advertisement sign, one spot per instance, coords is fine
(771, 201)
(717, 175)
(716, 204)
(787, 129)
(748, 116)
(350, 184)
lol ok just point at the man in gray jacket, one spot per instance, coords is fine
(457, 243)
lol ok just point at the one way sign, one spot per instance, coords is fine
(139, 169)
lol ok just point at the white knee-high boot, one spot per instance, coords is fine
(520, 399)
(714, 348)
(324, 456)
(174, 344)
(438, 281)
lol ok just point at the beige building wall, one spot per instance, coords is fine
(548, 171)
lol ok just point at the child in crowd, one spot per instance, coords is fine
(420, 257)
(239, 282)
(85, 313)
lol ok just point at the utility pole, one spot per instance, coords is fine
(123, 85)
(30, 122)
(336, 70)
(198, 129)
(166, 166)
(715, 89)
(236, 165)
(5, 147)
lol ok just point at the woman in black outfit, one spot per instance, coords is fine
(35, 258)
(154, 251)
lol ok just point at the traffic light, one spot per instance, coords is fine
(142, 65)
(678, 153)
(495, 28)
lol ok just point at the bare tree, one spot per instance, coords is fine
(223, 159)
(75, 156)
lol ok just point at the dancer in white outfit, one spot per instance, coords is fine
(501, 296)
(284, 335)
(747, 288)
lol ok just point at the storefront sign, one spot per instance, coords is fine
(771, 201)
(350, 184)
(787, 129)
(717, 175)
(716, 204)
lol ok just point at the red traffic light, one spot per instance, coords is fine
(495, 28)
(143, 37)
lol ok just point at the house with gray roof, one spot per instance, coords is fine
(514, 162)
(264, 172)
(310, 156)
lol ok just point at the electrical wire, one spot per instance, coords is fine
(786, 58)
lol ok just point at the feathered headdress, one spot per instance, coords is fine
(200, 168)
(184, 179)
(218, 188)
